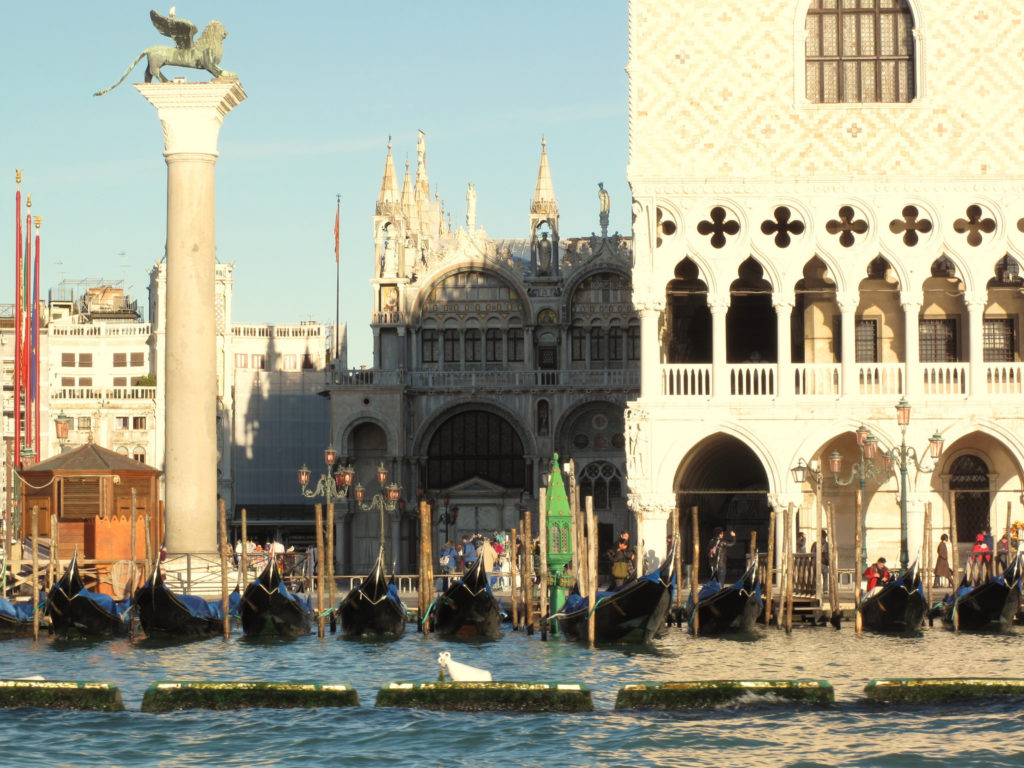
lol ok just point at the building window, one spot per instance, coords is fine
(84, 422)
(140, 457)
(67, 359)
(494, 346)
(859, 52)
(121, 422)
(137, 359)
(515, 345)
(259, 362)
(615, 345)
(428, 345)
(633, 342)
(120, 360)
(451, 346)
(138, 422)
(85, 381)
(85, 360)
(998, 340)
(579, 344)
(120, 381)
(473, 343)
(866, 341)
(290, 363)
(67, 381)
(937, 341)
(241, 361)
(136, 381)
(597, 344)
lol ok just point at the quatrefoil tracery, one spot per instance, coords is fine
(718, 227)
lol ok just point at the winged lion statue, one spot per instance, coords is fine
(203, 52)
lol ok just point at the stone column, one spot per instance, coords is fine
(650, 350)
(652, 515)
(784, 344)
(719, 368)
(848, 347)
(191, 115)
(976, 346)
(911, 347)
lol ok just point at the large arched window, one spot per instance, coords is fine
(476, 444)
(859, 51)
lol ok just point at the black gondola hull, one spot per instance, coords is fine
(370, 610)
(634, 614)
(467, 609)
(894, 609)
(73, 615)
(265, 611)
(734, 608)
(162, 614)
(989, 606)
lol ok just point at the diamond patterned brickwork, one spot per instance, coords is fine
(716, 92)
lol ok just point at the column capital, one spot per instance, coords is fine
(911, 299)
(650, 305)
(192, 113)
(783, 300)
(848, 304)
(652, 506)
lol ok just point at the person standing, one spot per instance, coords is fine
(717, 555)
(469, 554)
(824, 557)
(942, 569)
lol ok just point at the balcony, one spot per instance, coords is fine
(495, 380)
(104, 395)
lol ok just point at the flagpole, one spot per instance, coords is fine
(35, 340)
(337, 286)
(26, 269)
(17, 320)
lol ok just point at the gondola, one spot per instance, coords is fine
(268, 608)
(724, 609)
(467, 609)
(75, 612)
(991, 605)
(898, 605)
(373, 609)
(16, 618)
(633, 613)
(166, 614)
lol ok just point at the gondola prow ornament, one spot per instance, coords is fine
(202, 53)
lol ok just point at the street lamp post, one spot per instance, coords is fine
(62, 428)
(904, 457)
(865, 467)
(332, 486)
(385, 501)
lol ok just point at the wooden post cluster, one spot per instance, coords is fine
(591, 569)
(330, 556)
(528, 568)
(426, 570)
(770, 575)
(35, 571)
(542, 527)
(243, 559)
(318, 522)
(833, 567)
(695, 570)
(225, 549)
(858, 557)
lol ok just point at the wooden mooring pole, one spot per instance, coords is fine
(954, 546)
(929, 571)
(542, 528)
(858, 547)
(787, 598)
(426, 591)
(318, 522)
(135, 566)
(528, 568)
(514, 575)
(591, 570)
(695, 570)
(243, 559)
(330, 561)
(225, 548)
(35, 572)
(833, 567)
(770, 569)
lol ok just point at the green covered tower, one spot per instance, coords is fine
(559, 522)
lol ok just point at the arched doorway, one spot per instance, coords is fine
(969, 484)
(727, 483)
(368, 446)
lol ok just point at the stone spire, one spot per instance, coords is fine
(408, 203)
(388, 201)
(544, 196)
(422, 182)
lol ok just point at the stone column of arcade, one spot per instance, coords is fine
(191, 115)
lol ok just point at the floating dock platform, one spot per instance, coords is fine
(172, 696)
(488, 696)
(60, 694)
(708, 694)
(935, 690)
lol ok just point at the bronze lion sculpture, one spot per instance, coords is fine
(202, 53)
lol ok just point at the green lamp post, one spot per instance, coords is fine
(559, 522)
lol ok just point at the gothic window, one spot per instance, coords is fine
(473, 345)
(633, 342)
(859, 51)
(494, 345)
(938, 340)
(515, 345)
(998, 340)
(429, 345)
(601, 480)
(451, 346)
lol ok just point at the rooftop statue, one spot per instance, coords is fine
(202, 53)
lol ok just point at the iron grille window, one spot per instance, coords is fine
(494, 345)
(867, 341)
(969, 483)
(998, 340)
(937, 340)
(859, 51)
(428, 345)
(515, 345)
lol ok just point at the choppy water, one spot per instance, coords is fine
(852, 733)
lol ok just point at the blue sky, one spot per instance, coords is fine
(327, 83)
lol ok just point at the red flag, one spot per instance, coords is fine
(337, 231)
